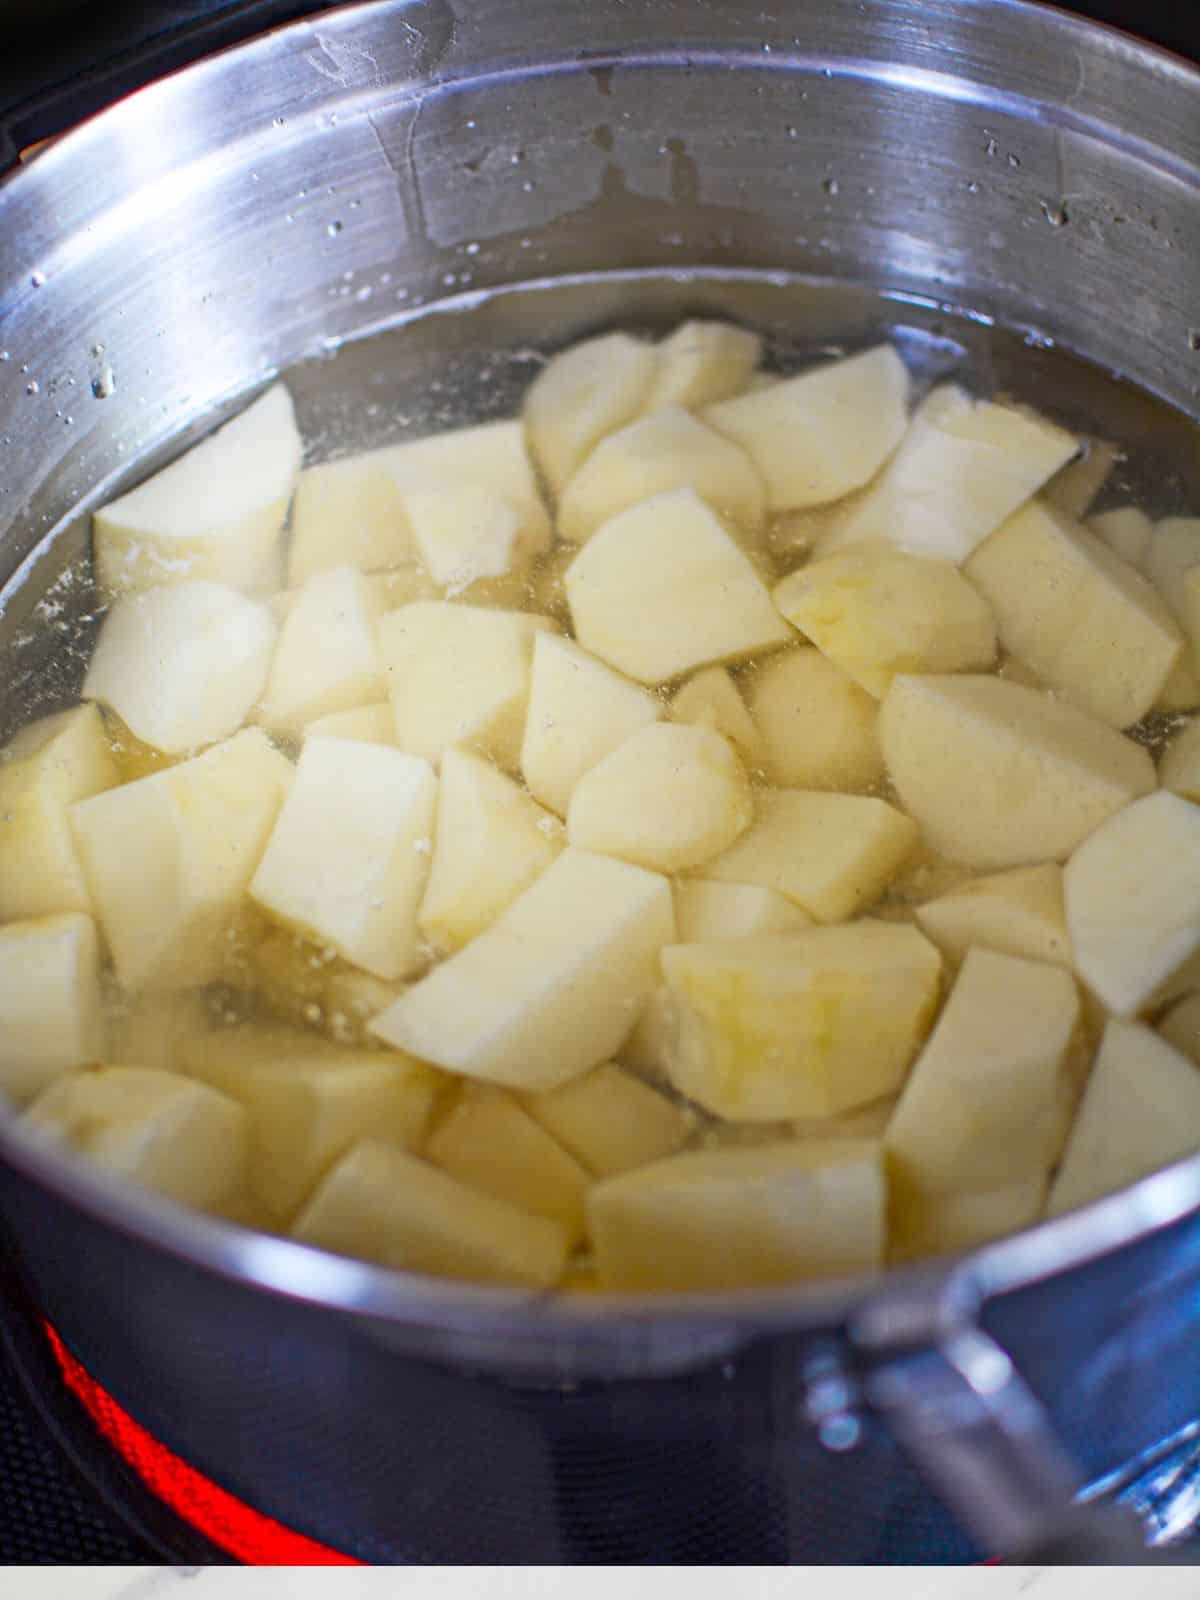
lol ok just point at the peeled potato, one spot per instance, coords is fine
(1017, 913)
(710, 699)
(326, 660)
(583, 393)
(611, 1121)
(819, 727)
(50, 1006)
(700, 362)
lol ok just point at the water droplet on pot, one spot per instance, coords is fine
(32, 386)
(104, 384)
(1013, 161)
(37, 279)
(972, 187)
(1057, 216)
(831, 186)
(4, 356)
(334, 229)
(1193, 339)
(992, 148)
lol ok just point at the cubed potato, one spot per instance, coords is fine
(1126, 531)
(669, 449)
(224, 1053)
(924, 1225)
(1090, 626)
(459, 675)
(646, 1049)
(732, 911)
(877, 611)
(464, 532)
(663, 588)
(817, 436)
(1140, 1111)
(182, 666)
(583, 393)
(610, 1121)
(579, 711)
(354, 512)
(1181, 1027)
(818, 725)
(670, 798)
(373, 724)
(863, 1122)
(149, 1030)
(216, 513)
(552, 987)
(1173, 565)
(490, 843)
(702, 361)
(1132, 895)
(997, 775)
(1017, 913)
(44, 770)
(489, 1142)
(1181, 692)
(710, 699)
(326, 659)
(179, 1138)
(384, 1205)
(961, 469)
(50, 1007)
(732, 1219)
(349, 855)
(1179, 768)
(1074, 488)
(350, 1000)
(804, 1024)
(169, 858)
(833, 854)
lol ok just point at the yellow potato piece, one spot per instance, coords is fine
(710, 699)
(702, 361)
(943, 1224)
(371, 723)
(1172, 563)
(732, 911)
(50, 1005)
(1017, 913)
(1181, 1027)
(326, 659)
(818, 725)
(610, 1121)
(465, 532)
(582, 394)
(1075, 487)
(1126, 531)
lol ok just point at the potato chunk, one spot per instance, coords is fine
(464, 532)
(663, 588)
(169, 858)
(730, 1219)
(1140, 1111)
(215, 513)
(1133, 900)
(943, 1224)
(877, 611)
(818, 725)
(670, 798)
(817, 436)
(610, 1121)
(182, 666)
(1001, 776)
(1074, 488)
(579, 711)
(50, 1012)
(732, 911)
(372, 724)
(1173, 565)
(669, 449)
(710, 699)
(804, 1024)
(1082, 619)
(459, 675)
(491, 842)
(1181, 1027)
(44, 770)
(552, 987)
(326, 659)
(962, 468)
(381, 1204)
(702, 361)
(1179, 769)
(348, 857)
(833, 854)
(1017, 913)
(1126, 531)
(583, 393)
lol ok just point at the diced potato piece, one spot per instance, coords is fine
(943, 1224)
(373, 724)
(182, 666)
(489, 1142)
(877, 611)
(611, 1121)
(646, 1048)
(583, 393)
(349, 856)
(552, 987)
(1074, 488)
(169, 858)
(1126, 531)
(702, 361)
(491, 842)
(326, 660)
(464, 532)
(180, 1138)
(381, 1204)
(833, 854)
(1181, 692)
(215, 513)
(732, 911)
(818, 725)
(1181, 1027)
(711, 699)
(44, 770)
(663, 588)
(670, 798)
(1140, 1111)
(307, 1111)
(1179, 768)
(1017, 913)
(150, 1030)
(989, 1101)
(1002, 776)
(962, 468)
(354, 512)
(50, 1009)
(817, 436)
(863, 1122)
(579, 711)
(459, 675)
(224, 1054)
(804, 1024)
(730, 1219)
(1173, 564)
(1086, 622)
(669, 449)
(1133, 900)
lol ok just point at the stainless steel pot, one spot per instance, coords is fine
(328, 179)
